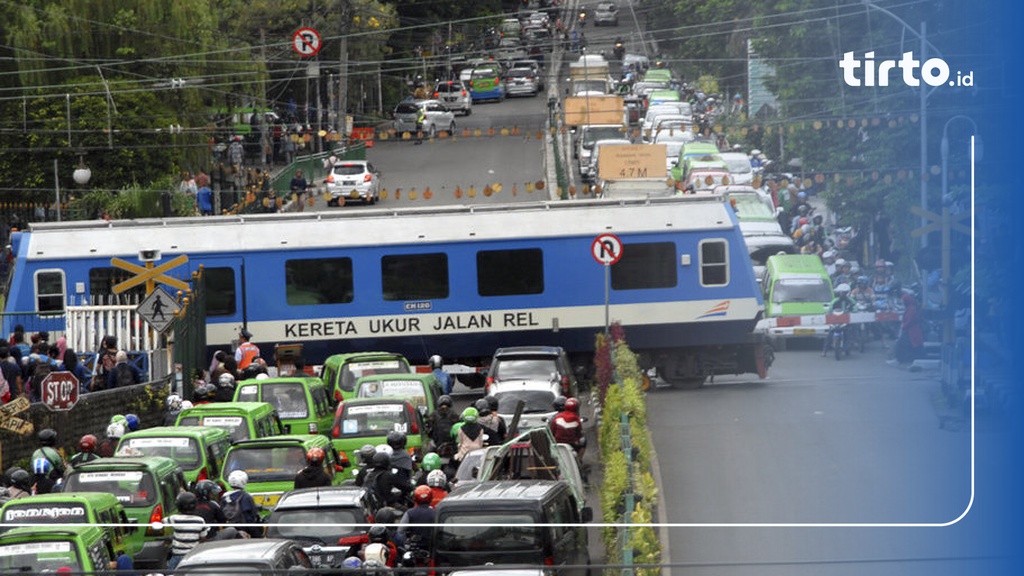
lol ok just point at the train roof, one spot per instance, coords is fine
(374, 227)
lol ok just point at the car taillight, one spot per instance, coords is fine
(435, 95)
(330, 178)
(463, 92)
(156, 516)
(337, 398)
(336, 428)
(203, 474)
(549, 561)
(344, 459)
(565, 385)
(413, 427)
(490, 380)
(367, 177)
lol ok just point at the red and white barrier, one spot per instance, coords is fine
(819, 324)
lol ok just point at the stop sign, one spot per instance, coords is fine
(60, 391)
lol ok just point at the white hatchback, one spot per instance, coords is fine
(353, 180)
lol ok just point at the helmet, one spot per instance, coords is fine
(375, 555)
(841, 262)
(455, 429)
(115, 430)
(828, 255)
(437, 479)
(436, 362)
(133, 422)
(805, 228)
(352, 562)
(87, 443)
(863, 280)
(396, 440)
(226, 380)
(843, 288)
(879, 263)
(48, 437)
(492, 403)
(238, 479)
(470, 415)
(173, 402)
(381, 460)
(378, 534)
(207, 489)
(386, 515)
(572, 405)
(366, 453)
(41, 466)
(186, 502)
(803, 209)
(120, 419)
(21, 479)
(854, 269)
(559, 403)
(186, 404)
(209, 392)
(482, 407)
(384, 448)
(445, 400)
(422, 494)
(802, 195)
(315, 456)
(803, 222)
(431, 462)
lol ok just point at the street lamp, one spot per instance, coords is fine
(81, 176)
(946, 243)
(925, 44)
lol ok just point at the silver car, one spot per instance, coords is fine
(606, 13)
(353, 180)
(454, 95)
(427, 116)
(521, 82)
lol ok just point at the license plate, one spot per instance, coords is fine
(803, 331)
(267, 500)
(321, 559)
(348, 183)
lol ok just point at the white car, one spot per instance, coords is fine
(454, 95)
(591, 174)
(740, 168)
(428, 116)
(353, 180)
(606, 13)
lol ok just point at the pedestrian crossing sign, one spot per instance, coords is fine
(158, 309)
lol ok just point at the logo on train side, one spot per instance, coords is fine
(720, 309)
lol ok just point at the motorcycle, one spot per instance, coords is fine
(581, 20)
(619, 50)
(838, 336)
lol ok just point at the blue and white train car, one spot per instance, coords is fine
(459, 282)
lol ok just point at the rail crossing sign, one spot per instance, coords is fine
(158, 309)
(606, 249)
(149, 274)
(60, 391)
(306, 42)
(9, 419)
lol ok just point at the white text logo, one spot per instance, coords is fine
(934, 71)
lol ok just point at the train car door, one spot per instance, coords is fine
(225, 297)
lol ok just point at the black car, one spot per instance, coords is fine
(245, 556)
(317, 518)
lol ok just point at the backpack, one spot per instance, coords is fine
(123, 376)
(231, 504)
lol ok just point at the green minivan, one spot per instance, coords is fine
(422, 390)
(74, 508)
(796, 285)
(146, 486)
(272, 464)
(302, 402)
(341, 371)
(199, 450)
(39, 549)
(362, 421)
(243, 420)
(696, 152)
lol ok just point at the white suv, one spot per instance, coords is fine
(435, 117)
(353, 180)
(454, 95)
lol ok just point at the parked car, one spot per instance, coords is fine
(454, 95)
(426, 116)
(607, 14)
(521, 82)
(353, 180)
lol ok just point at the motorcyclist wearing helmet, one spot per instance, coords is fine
(446, 380)
(380, 547)
(86, 450)
(389, 488)
(415, 527)
(439, 426)
(132, 422)
(401, 460)
(313, 475)
(470, 436)
(431, 461)
(487, 407)
(437, 480)
(208, 493)
(567, 427)
(843, 273)
(841, 304)
(173, 404)
(225, 389)
(48, 450)
(247, 513)
(20, 481)
(107, 447)
(365, 463)
(189, 528)
(862, 293)
(883, 279)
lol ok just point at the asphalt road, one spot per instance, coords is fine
(856, 442)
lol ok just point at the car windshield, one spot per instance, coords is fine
(484, 74)
(316, 525)
(134, 488)
(371, 420)
(447, 87)
(520, 73)
(38, 557)
(525, 368)
(738, 165)
(184, 451)
(349, 169)
(267, 463)
(289, 398)
(355, 370)
(411, 390)
(535, 401)
(494, 532)
(234, 425)
(751, 207)
(801, 290)
(592, 135)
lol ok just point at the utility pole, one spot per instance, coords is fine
(346, 18)
(264, 139)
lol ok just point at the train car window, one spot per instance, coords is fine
(510, 272)
(414, 276)
(103, 280)
(318, 281)
(50, 291)
(220, 291)
(714, 263)
(646, 266)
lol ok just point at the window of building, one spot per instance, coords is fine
(318, 281)
(510, 272)
(415, 276)
(645, 266)
(50, 295)
(714, 263)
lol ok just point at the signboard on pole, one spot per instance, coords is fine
(586, 110)
(9, 419)
(631, 162)
(606, 249)
(306, 42)
(158, 309)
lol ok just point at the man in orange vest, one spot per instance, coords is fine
(247, 351)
